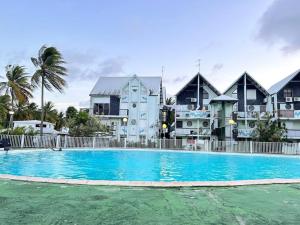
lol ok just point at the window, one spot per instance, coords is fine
(205, 94)
(101, 109)
(252, 124)
(288, 92)
(251, 94)
(39, 125)
(235, 94)
(179, 124)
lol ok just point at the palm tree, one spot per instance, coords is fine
(170, 101)
(4, 108)
(27, 111)
(17, 86)
(50, 113)
(61, 121)
(49, 74)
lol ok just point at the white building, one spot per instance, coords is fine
(35, 125)
(130, 106)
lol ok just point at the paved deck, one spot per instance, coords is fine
(44, 203)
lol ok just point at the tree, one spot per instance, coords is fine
(50, 113)
(84, 125)
(27, 111)
(4, 108)
(60, 122)
(49, 74)
(170, 101)
(269, 130)
(17, 86)
(71, 112)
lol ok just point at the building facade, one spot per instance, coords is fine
(284, 97)
(252, 104)
(192, 110)
(130, 106)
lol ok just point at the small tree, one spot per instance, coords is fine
(270, 130)
(71, 112)
(84, 125)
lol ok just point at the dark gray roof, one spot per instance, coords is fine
(223, 98)
(113, 85)
(205, 81)
(281, 84)
(261, 88)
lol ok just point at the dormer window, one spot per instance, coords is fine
(205, 94)
(251, 94)
(287, 92)
(234, 94)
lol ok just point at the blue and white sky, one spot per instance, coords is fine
(113, 38)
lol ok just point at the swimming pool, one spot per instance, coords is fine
(147, 165)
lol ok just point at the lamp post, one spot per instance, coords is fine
(10, 125)
(164, 126)
(125, 120)
(231, 123)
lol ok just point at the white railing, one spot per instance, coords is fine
(38, 142)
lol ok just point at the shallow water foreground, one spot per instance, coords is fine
(41, 203)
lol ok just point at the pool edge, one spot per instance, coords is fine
(150, 183)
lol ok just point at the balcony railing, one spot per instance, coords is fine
(193, 114)
(245, 133)
(289, 114)
(293, 134)
(286, 113)
(194, 131)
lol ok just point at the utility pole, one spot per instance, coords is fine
(162, 71)
(198, 64)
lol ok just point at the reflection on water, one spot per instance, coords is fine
(147, 165)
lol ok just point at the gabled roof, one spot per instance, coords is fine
(113, 85)
(261, 88)
(281, 84)
(205, 81)
(223, 98)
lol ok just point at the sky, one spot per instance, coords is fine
(116, 38)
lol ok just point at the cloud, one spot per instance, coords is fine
(88, 65)
(217, 67)
(175, 80)
(280, 25)
(112, 66)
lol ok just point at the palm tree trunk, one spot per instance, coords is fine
(42, 107)
(11, 115)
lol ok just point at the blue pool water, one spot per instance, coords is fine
(147, 165)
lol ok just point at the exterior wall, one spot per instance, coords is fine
(48, 129)
(143, 111)
(260, 106)
(136, 103)
(195, 123)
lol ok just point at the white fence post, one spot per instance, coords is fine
(94, 141)
(22, 140)
(57, 141)
(251, 147)
(125, 142)
(65, 144)
(159, 143)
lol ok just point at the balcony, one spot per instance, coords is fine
(187, 132)
(293, 134)
(245, 133)
(251, 115)
(193, 114)
(289, 114)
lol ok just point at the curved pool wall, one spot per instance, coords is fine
(148, 168)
